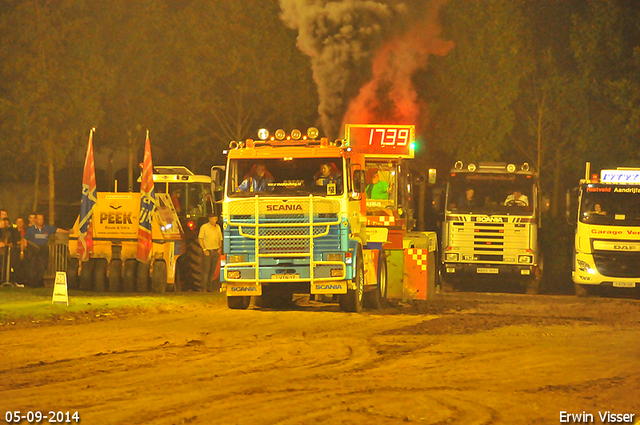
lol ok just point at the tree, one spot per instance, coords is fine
(51, 96)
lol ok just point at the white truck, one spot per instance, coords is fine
(607, 238)
(490, 228)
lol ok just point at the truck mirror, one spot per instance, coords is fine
(217, 177)
(358, 181)
(432, 176)
(572, 206)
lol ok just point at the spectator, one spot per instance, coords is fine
(3, 213)
(210, 240)
(15, 243)
(39, 235)
(32, 219)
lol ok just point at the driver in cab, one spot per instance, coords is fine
(517, 198)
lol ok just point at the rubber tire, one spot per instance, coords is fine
(142, 277)
(377, 299)
(352, 300)
(115, 275)
(86, 275)
(192, 266)
(159, 277)
(238, 303)
(73, 264)
(99, 274)
(129, 275)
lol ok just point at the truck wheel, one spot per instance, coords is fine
(129, 279)
(115, 275)
(72, 273)
(142, 277)
(86, 275)
(99, 274)
(159, 277)
(352, 300)
(238, 303)
(377, 299)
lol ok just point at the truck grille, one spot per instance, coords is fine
(618, 264)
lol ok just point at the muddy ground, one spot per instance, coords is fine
(466, 358)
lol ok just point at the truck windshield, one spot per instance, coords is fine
(285, 177)
(610, 205)
(491, 193)
(189, 199)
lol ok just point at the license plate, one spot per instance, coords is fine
(624, 284)
(285, 276)
(488, 271)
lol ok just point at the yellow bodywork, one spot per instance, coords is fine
(115, 230)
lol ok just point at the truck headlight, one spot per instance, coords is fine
(336, 272)
(334, 257)
(585, 267)
(233, 274)
(526, 259)
(451, 256)
(235, 259)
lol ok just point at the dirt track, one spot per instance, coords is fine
(466, 359)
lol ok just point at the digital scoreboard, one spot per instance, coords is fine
(381, 139)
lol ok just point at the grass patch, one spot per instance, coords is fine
(35, 303)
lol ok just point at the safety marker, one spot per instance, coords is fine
(60, 295)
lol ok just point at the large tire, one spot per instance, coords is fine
(99, 274)
(352, 300)
(72, 273)
(238, 303)
(86, 275)
(159, 277)
(115, 275)
(377, 299)
(129, 278)
(190, 266)
(142, 277)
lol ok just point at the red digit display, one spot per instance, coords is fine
(381, 140)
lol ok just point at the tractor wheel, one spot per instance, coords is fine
(377, 299)
(352, 300)
(86, 275)
(190, 267)
(99, 274)
(238, 303)
(159, 277)
(115, 275)
(129, 278)
(72, 273)
(142, 277)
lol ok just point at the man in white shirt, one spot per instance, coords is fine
(210, 239)
(517, 199)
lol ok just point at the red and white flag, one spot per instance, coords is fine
(88, 200)
(147, 205)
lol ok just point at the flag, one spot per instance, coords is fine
(85, 231)
(147, 205)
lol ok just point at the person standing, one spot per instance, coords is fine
(39, 235)
(210, 239)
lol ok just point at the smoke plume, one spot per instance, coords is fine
(363, 55)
